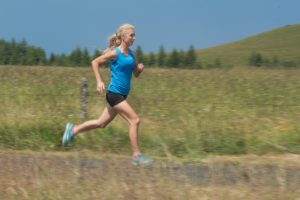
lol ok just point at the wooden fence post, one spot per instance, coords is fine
(84, 93)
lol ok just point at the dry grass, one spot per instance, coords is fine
(85, 175)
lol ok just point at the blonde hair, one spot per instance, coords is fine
(115, 39)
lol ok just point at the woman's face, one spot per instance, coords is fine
(129, 37)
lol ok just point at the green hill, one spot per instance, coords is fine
(284, 43)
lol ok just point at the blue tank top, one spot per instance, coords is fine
(121, 72)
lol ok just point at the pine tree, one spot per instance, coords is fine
(22, 51)
(75, 57)
(161, 60)
(174, 59)
(6, 53)
(2, 52)
(139, 54)
(52, 59)
(256, 59)
(40, 56)
(182, 59)
(85, 58)
(13, 59)
(190, 58)
(275, 61)
(97, 53)
(62, 60)
(151, 59)
(30, 57)
(218, 63)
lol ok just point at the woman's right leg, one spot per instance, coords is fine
(106, 117)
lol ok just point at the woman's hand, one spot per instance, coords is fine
(100, 87)
(139, 69)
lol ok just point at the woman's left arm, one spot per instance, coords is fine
(138, 67)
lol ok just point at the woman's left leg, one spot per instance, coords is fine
(127, 112)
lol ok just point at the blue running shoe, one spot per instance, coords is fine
(142, 160)
(68, 134)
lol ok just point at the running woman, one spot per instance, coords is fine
(122, 65)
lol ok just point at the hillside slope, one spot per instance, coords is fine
(283, 42)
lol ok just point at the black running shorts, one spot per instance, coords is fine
(114, 99)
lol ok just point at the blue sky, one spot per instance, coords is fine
(59, 26)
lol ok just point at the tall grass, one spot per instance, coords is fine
(185, 113)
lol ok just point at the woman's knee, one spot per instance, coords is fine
(135, 120)
(101, 124)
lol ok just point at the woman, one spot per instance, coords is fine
(122, 65)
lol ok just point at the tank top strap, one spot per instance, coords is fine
(118, 51)
(131, 52)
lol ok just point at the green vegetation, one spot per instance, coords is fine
(174, 59)
(282, 43)
(185, 113)
(258, 60)
(275, 48)
(20, 53)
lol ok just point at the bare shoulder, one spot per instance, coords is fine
(110, 54)
(106, 57)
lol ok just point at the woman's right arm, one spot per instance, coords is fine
(108, 56)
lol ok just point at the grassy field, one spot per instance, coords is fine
(185, 113)
(214, 134)
(283, 43)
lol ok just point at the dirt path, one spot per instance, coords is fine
(24, 173)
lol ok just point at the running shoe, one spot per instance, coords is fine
(68, 134)
(142, 160)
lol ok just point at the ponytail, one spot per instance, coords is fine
(115, 39)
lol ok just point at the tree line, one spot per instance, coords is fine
(174, 59)
(257, 59)
(21, 53)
